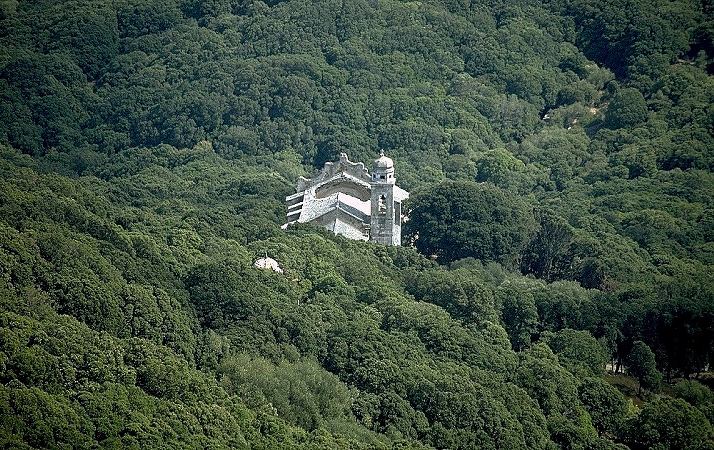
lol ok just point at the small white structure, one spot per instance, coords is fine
(269, 263)
(347, 200)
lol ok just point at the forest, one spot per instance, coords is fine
(555, 289)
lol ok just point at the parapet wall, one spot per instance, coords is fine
(356, 169)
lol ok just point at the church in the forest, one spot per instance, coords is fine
(347, 200)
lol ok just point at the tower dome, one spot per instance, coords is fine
(383, 162)
(383, 169)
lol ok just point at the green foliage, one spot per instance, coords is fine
(146, 148)
(578, 348)
(669, 424)
(539, 373)
(464, 297)
(518, 313)
(626, 109)
(607, 407)
(545, 253)
(302, 393)
(696, 394)
(640, 364)
(458, 220)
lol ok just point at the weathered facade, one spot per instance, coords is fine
(347, 200)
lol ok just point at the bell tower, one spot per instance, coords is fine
(386, 217)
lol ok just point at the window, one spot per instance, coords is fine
(382, 204)
(397, 212)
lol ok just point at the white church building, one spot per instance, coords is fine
(347, 200)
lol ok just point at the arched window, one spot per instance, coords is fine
(382, 204)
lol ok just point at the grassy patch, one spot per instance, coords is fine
(628, 386)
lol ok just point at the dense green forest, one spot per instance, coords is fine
(560, 242)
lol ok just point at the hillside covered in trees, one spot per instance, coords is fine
(560, 156)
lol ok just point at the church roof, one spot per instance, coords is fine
(320, 206)
(400, 194)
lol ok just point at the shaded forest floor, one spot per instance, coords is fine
(628, 386)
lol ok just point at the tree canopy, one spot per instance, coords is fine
(560, 159)
(464, 219)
